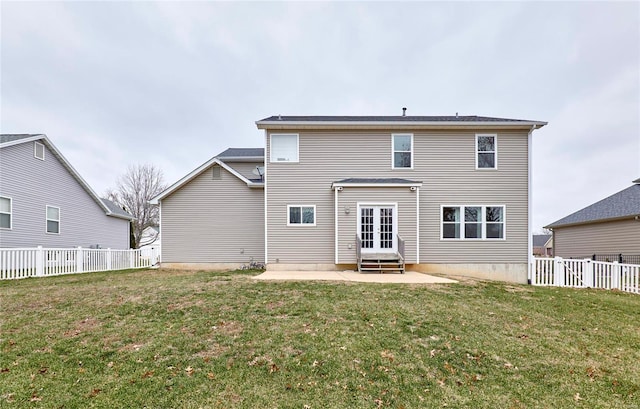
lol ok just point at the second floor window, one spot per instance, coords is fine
(486, 152)
(402, 151)
(284, 148)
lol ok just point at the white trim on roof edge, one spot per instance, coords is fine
(197, 172)
(335, 185)
(70, 169)
(397, 124)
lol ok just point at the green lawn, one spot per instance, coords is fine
(169, 339)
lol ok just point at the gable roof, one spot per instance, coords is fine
(623, 204)
(216, 160)
(7, 140)
(540, 240)
(287, 122)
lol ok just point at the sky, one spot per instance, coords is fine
(114, 84)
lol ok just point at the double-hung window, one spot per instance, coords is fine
(486, 151)
(473, 222)
(301, 215)
(53, 220)
(402, 151)
(284, 148)
(5, 212)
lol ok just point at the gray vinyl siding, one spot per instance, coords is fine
(213, 221)
(33, 184)
(613, 237)
(443, 160)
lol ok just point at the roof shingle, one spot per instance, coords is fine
(625, 203)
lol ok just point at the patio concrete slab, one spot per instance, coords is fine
(409, 277)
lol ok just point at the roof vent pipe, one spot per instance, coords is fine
(404, 111)
(456, 115)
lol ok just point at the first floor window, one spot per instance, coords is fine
(53, 220)
(5, 213)
(301, 215)
(473, 222)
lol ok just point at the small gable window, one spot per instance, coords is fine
(486, 152)
(402, 151)
(38, 150)
(284, 147)
(53, 220)
(216, 173)
(5, 212)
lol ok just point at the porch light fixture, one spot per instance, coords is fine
(347, 210)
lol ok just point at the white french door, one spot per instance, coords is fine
(377, 228)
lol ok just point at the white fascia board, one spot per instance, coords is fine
(197, 172)
(336, 185)
(396, 125)
(23, 140)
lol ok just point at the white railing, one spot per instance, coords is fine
(585, 273)
(42, 262)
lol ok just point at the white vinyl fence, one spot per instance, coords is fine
(585, 273)
(43, 262)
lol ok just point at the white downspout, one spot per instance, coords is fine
(335, 222)
(417, 225)
(266, 146)
(529, 204)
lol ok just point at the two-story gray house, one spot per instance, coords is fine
(448, 194)
(45, 202)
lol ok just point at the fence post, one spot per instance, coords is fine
(109, 259)
(616, 271)
(79, 260)
(40, 262)
(132, 253)
(558, 272)
(587, 273)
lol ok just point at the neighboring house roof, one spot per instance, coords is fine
(283, 122)
(623, 204)
(242, 153)
(7, 140)
(540, 240)
(252, 183)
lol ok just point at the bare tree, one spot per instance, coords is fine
(138, 185)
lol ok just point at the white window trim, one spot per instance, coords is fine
(46, 216)
(495, 150)
(35, 150)
(393, 151)
(10, 213)
(315, 215)
(483, 219)
(271, 159)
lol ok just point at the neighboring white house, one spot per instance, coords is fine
(150, 237)
(448, 194)
(45, 202)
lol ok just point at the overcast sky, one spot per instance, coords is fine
(173, 84)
